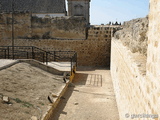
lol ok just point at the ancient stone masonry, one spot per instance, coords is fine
(153, 57)
(128, 71)
(65, 34)
(93, 51)
(134, 35)
(21, 25)
(134, 52)
(60, 33)
(59, 27)
(26, 26)
(135, 76)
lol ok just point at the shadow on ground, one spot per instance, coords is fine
(82, 68)
(59, 110)
(88, 97)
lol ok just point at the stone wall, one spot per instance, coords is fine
(28, 27)
(136, 77)
(22, 25)
(128, 72)
(62, 33)
(93, 51)
(135, 93)
(153, 53)
(134, 35)
(59, 27)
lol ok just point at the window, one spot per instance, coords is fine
(78, 10)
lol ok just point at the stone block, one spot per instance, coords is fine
(6, 99)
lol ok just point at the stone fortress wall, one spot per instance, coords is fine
(135, 56)
(63, 33)
(135, 68)
(28, 27)
(134, 35)
(21, 26)
(93, 51)
(153, 57)
(59, 27)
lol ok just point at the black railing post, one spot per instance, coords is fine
(8, 51)
(71, 66)
(43, 58)
(5, 53)
(13, 29)
(33, 57)
(46, 58)
(54, 56)
(27, 55)
(76, 59)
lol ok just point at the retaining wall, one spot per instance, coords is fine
(134, 92)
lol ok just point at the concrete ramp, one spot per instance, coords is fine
(61, 66)
(53, 67)
(7, 63)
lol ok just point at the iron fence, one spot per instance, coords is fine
(31, 52)
(66, 56)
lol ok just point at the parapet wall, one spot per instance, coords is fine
(138, 93)
(133, 89)
(134, 35)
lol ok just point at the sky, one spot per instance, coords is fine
(104, 11)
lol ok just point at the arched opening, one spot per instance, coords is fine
(78, 10)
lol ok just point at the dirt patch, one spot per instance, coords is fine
(28, 88)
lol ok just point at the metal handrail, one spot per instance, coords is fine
(32, 52)
(66, 56)
(26, 52)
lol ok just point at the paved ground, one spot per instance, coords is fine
(92, 98)
(61, 66)
(4, 62)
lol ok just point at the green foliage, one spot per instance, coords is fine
(24, 103)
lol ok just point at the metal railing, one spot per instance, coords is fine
(25, 52)
(31, 52)
(66, 56)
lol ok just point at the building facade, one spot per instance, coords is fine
(79, 8)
